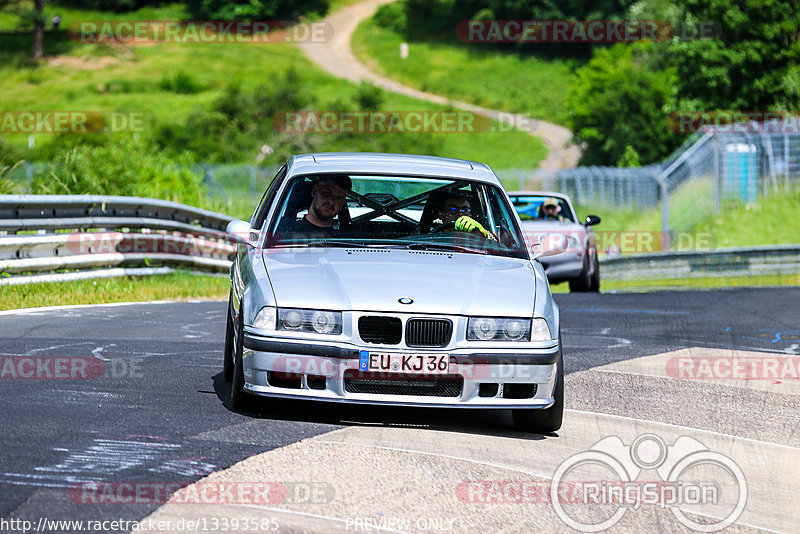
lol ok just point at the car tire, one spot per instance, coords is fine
(595, 281)
(227, 353)
(583, 282)
(241, 401)
(549, 419)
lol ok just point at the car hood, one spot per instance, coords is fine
(374, 280)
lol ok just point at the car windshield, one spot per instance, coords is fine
(533, 208)
(419, 213)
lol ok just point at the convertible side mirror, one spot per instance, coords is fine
(550, 245)
(240, 232)
(591, 220)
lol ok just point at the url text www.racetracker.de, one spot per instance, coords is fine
(198, 524)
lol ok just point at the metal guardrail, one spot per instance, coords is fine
(96, 236)
(747, 261)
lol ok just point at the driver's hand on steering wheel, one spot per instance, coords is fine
(465, 223)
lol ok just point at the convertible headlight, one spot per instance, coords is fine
(498, 329)
(265, 319)
(317, 321)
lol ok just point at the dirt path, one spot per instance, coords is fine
(337, 58)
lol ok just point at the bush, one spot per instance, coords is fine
(369, 97)
(8, 154)
(617, 102)
(256, 9)
(237, 124)
(180, 83)
(6, 185)
(392, 17)
(122, 166)
(117, 6)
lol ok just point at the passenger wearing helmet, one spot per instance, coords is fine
(551, 210)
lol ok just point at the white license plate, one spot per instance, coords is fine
(392, 362)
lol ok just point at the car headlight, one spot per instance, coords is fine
(265, 319)
(502, 329)
(316, 321)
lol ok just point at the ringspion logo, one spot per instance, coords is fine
(693, 483)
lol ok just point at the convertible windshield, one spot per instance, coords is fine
(437, 214)
(534, 207)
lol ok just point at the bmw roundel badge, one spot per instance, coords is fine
(405, 300)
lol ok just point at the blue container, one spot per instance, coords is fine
(739, 171)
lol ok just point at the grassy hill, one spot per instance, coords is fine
(171, 82)
(473, 73)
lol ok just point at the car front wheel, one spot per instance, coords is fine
(595, 281)
(241, 401)
(549, 419)
(584, 281)
(227, 353)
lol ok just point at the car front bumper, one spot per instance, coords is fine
(502, 378)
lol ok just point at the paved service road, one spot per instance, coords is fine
(689, 391)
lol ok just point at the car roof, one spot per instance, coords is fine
(399, 164)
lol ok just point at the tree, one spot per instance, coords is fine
(31, 15)
(751, 65)
(618, 104)
(38, 29)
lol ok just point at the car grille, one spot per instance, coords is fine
(428, 332)
(379, 329)
(387, 384)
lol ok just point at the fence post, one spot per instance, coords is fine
(208, 180)
(28, 174)
(252, 171)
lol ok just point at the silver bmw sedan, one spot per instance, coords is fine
(396, 280)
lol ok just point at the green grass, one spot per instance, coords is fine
(770, 221)
(178, 285)
(469, 72)
(184, 285)
(716, 282)
(70, 15)
(696, 225)
(103, 78)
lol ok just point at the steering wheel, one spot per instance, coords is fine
(446, 227)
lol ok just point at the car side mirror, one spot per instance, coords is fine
(239, 232)
(591, 220)
(550, 245)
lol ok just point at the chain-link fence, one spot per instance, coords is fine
(743, 163)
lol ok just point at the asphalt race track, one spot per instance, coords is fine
(102, 402)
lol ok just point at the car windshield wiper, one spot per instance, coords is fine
(445, 248)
